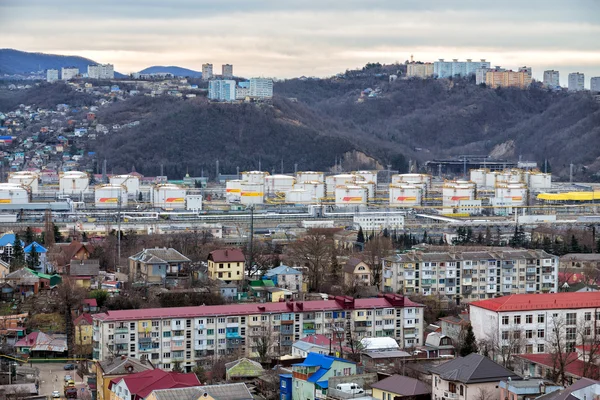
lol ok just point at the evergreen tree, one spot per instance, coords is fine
(547, 244)
(386, 233)
(424, 236)
(441, 242)
(519, 238)
(488, 236)
(177, 367)
(57, 235)
(598, 246)
(84, 236)
(498, 239)
(335, 266)
(34, 258)
(360, 237)
(18, 255)
(469, 235)
(140, 197)
(574, 248)
(480, 238)
(29, 236)
(469, 344)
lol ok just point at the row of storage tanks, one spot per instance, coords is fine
(534, 180)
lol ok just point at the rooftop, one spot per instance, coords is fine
(473, 368)
(574, 366)
(227, 255)
(402, 385)
(144, 383)
(544, 301)
(159, 255)
(230, 391)
(124, 365)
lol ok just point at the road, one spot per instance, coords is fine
(52, 377)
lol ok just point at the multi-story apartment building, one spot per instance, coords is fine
(188, 335)
(449, 69)
(500, 78)
(207, 71)
(101, 71)
(534, 321)
(68, 73)
(595, 84)
(551, 79)
(576, 81)
(221, 90)
(419, 70)
(227, 71)
(472, 275)
(51, 75)
(261, 88)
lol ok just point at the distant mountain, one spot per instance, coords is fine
(176, 71)
(21, 62)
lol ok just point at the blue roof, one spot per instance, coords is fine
(323, 384)
(322, 361)
(38, 248)
(282, 270)
(9, 238)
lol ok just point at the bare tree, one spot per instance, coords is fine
(561, 340)
(263, 343)
(313, 251)
(70, 296)
(484, 394)
(376, 249)
(588, 332)
(501, 347)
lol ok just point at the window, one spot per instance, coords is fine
(504, 335)
(516, 334)
(166, 355)
(571, 333)
(529, 348)
(517, 319)
(188, 323)
(588, 316)
(505, 320)
(210, 331)
(166, 334)
(540, 318)
(541, 333)
(528, 334)
(540, 348)
(155, 323)
(221, 320)
(529, 319)
(166, 323)
(571, 318)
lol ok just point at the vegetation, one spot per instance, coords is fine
(469, 343)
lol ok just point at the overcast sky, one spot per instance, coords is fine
(287, 38)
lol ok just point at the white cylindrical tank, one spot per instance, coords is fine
(315, 188)
(279, 183)
(310, 176)
(333, 181)
(539, 181)
(455, 191)
(412, 179)
(233, 190)
(131, 183)
(512, 193)
(252, 193)
(368, 176)
(299, 196)
(168, 196)
(370, 186)
(11, 193)
(73, 182)
(27, 179)
(510, 176)
(478, 176)
(107, 196)
(491, 177)
(350, 195)
(254, 177)
(405, 195)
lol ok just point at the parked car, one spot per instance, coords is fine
(352, 388)
(69, 367)
(68, 378)
(56, 394)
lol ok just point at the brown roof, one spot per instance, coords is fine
(227, 255)
(402, 385)
(352, 263)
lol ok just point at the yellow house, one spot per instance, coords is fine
(238, 391)
(398, 386)
(116, 368)
(356, 271)
(226, 265)
(83, 330)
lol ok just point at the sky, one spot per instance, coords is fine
(290, 38)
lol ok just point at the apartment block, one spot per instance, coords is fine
(419, 70)
(551, 79)
(207, 71)
(52, 75)
(576, 82)
(188, 335)
(473, 275)
(500, 78)
(68, 73)
(595, 84)
(101, 71)
(221, 90)
(449, 69)
(227, 71)
(261, 88)
(532, 321)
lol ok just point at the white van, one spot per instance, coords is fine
(351, 388)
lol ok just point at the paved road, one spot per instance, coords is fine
(52, 377)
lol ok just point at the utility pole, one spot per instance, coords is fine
(217, 172)
(251, 244)
(119, 231)
(571, 173)
(295, 168)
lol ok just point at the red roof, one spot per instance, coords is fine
(227, 255)
(143, 383)
(83, 317)
(246, 309)
(548, 301)
(323, 341)
(91, 302)
(574, 366)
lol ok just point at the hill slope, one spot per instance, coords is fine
(176, 71)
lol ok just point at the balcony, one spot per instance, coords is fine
(233, 335)
(177, 358)
(145, 349)
(232, 325)
(287, 342)
(202, 346)
(178, 338)
(120, 339)
(287, 322)
(121, 330)
(287, 329)
(200, 327)
(96, 355)
(450, 395)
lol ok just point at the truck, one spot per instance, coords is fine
(71, 392)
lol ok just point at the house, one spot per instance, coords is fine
(83, 272)
(12, 327)
(243, 369)
(455, 326)
(397, 386)
(228, 391)
(379, 353)
(7, 243)
(356, 271)
(4, 269)
(41, 251)
(226, 264)
(24, 282)
(285, 277)
(90, 305)
(18, 391)
(583, 389)
(468, 378)
(228, 290)
(527, 389)
(41, 345)
(285, 386)
(62, 253)
(436, 345)
(158, 266)
(83, 331)
(139, 386)
(311, 377)
(115, 368)
(579, 262)
(265, 290)
(547, 364)
(317, 343)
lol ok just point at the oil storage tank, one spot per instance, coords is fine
(539, 181)
(279, 183)
(233, 190)
(368, 176)
(405, 195)
(478, 176)
(110, 196)
(422, 180)
(350, 195)
(168, 197)
(310, 176)
(252, 193)
(512, 193)
(370, 186)
(254, 177)
(453, 192)
(131, 183)
(73, 182)
(315, 188)
(333, 181)
(11, 193)
(299, 196)
(27, 179)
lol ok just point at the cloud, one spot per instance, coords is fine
(292, 38)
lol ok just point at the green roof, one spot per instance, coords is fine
(44, 276)
(262, 283)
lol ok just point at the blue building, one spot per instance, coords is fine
(7, 244)
(285, 386)
(42, 253)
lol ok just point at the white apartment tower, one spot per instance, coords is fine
(576, 81)
(101, 71)
(595, 84)
(51, 75)
(261, 88)
(68, 73)
(221, 90)
(227, 71)
(207, 71)
(449, 69)
(551, 79)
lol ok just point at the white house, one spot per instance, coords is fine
(285, 277)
